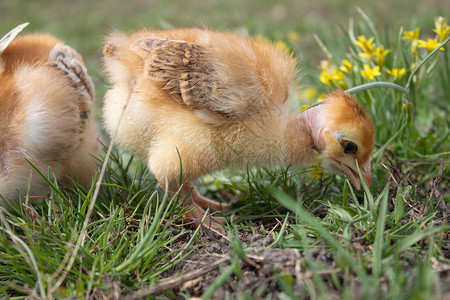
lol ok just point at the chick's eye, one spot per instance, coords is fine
(350, 147)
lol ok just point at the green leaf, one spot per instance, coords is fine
(399, 208)
(412, 239)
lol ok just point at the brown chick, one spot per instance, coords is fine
(216, 100)
(46, 116)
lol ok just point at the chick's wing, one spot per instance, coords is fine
(78, 112)
(192, 72)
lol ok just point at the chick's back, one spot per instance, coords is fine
(45, 115)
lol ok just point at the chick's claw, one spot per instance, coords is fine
(195, 206)
(196, 214)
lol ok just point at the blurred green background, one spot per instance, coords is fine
(82, 24)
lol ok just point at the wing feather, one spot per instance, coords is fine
(190, 71)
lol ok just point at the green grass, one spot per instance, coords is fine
(388, 241)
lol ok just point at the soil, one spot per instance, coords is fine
(264, 271)
(261, 269)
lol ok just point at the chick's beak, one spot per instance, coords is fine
(353, 176)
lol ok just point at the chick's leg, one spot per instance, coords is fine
(204, 202)
(195, 212)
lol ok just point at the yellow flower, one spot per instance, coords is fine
(337, 75)
(293, 36)
(397, 73)
(411, 35)
(440, 22)
(305, 107)
(367, 45)
(307, 94)
(414, 37)
(346, 66)
(441, 28)
(339, 78)
(325, 64)
(310, 93)
(380, 53)
(317, 172)
(443, 33)
(321, 97)
(366, 56)
(404, 108)
(430, 45)
(370, 73)
(331, 75)
(325, 77)
(282, 46)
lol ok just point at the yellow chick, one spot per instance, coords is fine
(195, 101)
(46, 116)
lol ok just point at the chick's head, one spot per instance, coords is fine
(347, 137)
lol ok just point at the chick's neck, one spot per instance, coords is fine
(304, 134)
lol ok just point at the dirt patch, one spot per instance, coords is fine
(262, 272)
(265, 272)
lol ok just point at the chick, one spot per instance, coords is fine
(46, 116)
(195, 101)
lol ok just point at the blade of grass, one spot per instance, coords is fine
(399, 208)
(410, 240)
(140, 250)
(377, 84)
(323, 47)
(225, 274)
(281, 233)
(49, 182)
(290, 204)
(180, 255)
(26, 252)
(381, 149)
(369, 23)
(378, 245)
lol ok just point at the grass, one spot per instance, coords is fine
(390, 241)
